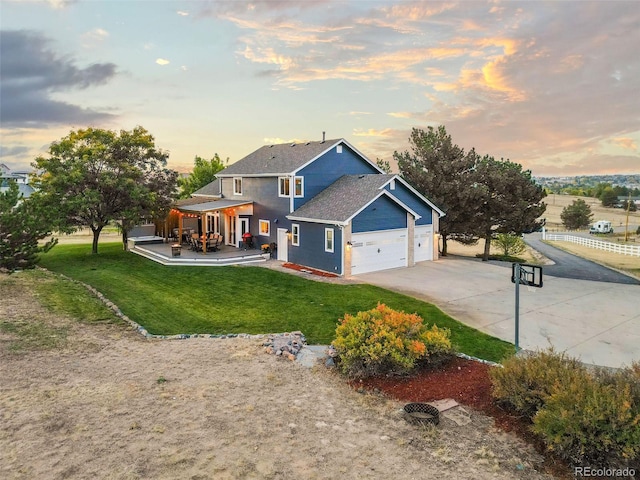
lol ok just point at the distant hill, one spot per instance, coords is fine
(587, 185)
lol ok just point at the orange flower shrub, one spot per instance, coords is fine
(384, 340)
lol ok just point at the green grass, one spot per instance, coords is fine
(234, 299)
(71, 299)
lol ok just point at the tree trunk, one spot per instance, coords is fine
(96, 235)
(125, 247)
(444, 245)
(487, 247)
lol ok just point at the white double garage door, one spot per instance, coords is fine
(384, 249)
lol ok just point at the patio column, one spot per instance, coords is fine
(203, 220)
(180, 228)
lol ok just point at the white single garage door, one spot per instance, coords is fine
(380, 250)
(423, 243)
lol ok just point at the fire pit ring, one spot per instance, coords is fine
(421, 414)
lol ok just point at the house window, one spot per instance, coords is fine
(284, 186)
(295, 234)
(265, 227)
(392, 184)
(339, 149)
(298, 187)
(328, 239)
(237, 186)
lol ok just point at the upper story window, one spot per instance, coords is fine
(298, 187)
(237, 185)
(284, 186)
(339, 149)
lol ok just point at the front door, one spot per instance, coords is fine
(283, 245)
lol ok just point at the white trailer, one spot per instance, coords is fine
(601, 226)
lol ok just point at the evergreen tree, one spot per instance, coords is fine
(577, 215)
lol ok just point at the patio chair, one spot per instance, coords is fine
(196, 243)
(213, 242)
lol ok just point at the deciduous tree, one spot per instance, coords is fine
(94, 176)
(204, 172)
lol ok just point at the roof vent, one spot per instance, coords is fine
(323, 136)
(270, 146)
(293, 144)
(307, 143)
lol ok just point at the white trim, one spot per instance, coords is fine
(288, 180)
(235, 192)
(392, 197)
(333, 240)
(260, 222)
(295, 178)
(316, 220)
(295, 237)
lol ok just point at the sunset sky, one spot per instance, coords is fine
(554, 86)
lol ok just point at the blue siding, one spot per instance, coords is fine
(267, 205)
(329, 168)
(383, 214)
(311, 250)
(407, 197)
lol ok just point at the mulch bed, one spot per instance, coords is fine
(468, 383)
(312, 271)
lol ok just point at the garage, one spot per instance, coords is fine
(422, 243)
(379, 250)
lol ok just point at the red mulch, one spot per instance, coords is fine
(468, 383)
(313, 271)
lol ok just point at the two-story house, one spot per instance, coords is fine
(324, 204)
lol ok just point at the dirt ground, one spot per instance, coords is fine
(106, 403)
(617, 216)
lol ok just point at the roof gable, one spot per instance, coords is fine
(345, 198)
(284, 159)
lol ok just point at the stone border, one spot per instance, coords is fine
(143, 331)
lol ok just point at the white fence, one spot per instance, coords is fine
(633, 250)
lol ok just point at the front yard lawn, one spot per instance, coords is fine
(241, 299)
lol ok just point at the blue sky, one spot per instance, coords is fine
(554, 86)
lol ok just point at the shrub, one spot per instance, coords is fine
(526, 382)
(511, 245)
(384, 340)
(594, 420)
(587, 418)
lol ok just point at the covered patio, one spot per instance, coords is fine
(204, 231)
(223, 218)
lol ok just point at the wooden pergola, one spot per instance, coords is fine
(201, 210)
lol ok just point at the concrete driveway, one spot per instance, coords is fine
(598, 322)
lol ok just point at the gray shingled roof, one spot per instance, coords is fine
(210, 190)
(278, 159)
(343, 199)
